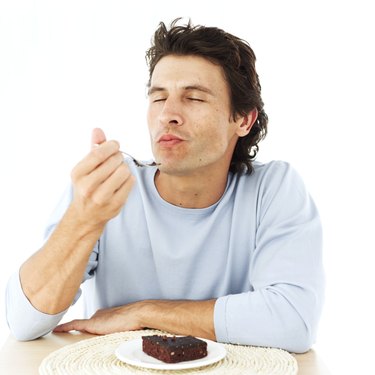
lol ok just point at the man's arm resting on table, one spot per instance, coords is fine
(260, 318)
(180, 317)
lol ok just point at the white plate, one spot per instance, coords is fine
(131, 352)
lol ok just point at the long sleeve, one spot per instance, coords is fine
(24, 320)
(286, 283)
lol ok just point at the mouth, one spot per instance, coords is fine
(169, 140)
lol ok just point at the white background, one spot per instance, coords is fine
(69, 66)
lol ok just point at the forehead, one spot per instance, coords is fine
(179, 71)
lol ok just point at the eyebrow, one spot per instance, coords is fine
(154, 89)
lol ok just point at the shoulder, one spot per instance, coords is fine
(282, 191)
(270, 174)
(274, 181)
(274, 168)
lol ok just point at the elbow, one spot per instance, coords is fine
(28, 328)
(24, 336)
(27, 325)
(282, 327)
(296, 337)
(293, 335)
(300, 343)
(22, 333)
(25, 322)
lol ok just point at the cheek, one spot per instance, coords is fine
(151, 116)
(212, 136)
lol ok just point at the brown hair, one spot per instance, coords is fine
(237, 59)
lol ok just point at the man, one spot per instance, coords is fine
(208, 242)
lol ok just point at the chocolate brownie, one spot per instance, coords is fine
(172, 349)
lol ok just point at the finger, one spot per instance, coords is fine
(74, 325)
(95, 158)
(107, 190)
(120, 196)
(97, 137)
(122, 193)
(90, 182)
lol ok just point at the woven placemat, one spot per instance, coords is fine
(96, 356)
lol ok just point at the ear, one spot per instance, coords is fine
(246, 123)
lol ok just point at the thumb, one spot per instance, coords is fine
(97, 137)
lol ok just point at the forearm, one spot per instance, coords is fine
(281, 316)
(181, 317)
(51, 277)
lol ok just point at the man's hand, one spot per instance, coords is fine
(101, 181)
(115, 319)
(179, 317)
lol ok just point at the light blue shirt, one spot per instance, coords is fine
(258, 250)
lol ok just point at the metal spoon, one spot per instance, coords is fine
(138, 163)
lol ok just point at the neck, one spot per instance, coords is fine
(192, 191)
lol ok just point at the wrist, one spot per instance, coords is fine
(181, 317)
(148, 313)
(83, 225)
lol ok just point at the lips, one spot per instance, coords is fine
(169, 138)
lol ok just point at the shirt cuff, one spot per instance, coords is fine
(220, 323)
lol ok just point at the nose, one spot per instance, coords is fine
(171, 113)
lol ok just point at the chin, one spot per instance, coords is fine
(172, 168)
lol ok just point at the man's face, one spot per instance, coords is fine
(189, 116)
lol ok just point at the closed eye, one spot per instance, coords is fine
(196, 99)
(159, 100)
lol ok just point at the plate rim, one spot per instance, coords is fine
(201, 362)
